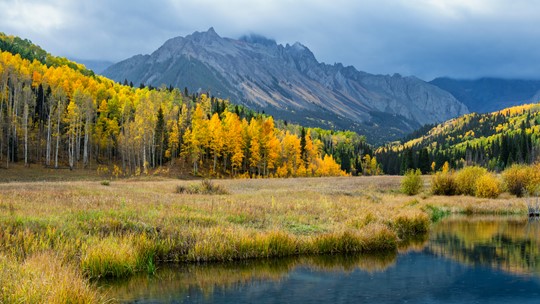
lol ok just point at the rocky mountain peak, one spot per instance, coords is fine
(204, 37)
(288, 82)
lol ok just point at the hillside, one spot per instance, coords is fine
(288, 82)
(61, 116)
(486, 95)
(29, 51)
(494, 140)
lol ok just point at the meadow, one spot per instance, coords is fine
(57, 237)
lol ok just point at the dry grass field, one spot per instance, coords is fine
(89, 229)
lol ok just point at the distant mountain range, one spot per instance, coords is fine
(98, 66)
(289, 83)
(486, 95)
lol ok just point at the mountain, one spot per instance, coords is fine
(97, 66)
(289, 83)
(494, 140)
(486, 95)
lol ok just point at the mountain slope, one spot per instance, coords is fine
(494, 140)
(288, 82)
(29, 51)
(486, 95)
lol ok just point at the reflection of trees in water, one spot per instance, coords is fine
(508, 244)
(179, 281)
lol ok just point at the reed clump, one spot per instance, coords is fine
(410, 223)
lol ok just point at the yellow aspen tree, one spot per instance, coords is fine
(206, 105)
(72, 119)
(270, 146)
(291, 153)
(173, 141)
(234, 141)
(197, 139)
(254, 133)
(216, 141)
(312, 151)
(374, 167)
(367, 165)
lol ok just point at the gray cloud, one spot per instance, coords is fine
(426, 38)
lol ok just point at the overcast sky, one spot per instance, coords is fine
(426, 38)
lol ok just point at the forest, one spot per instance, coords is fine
(494, 141)
(56, 113)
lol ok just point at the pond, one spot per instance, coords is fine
(464, 260)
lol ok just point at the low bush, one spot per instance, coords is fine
(519, 179)
(444, 183)
(204, 187)
(466, 179)
(412, 182)
(488, 186)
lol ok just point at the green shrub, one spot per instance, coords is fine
(518, 179)
(488, 186)
(443, 183)
(466, 179)
(105, 183)
(412, 182)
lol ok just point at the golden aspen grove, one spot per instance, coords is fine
(59, 116)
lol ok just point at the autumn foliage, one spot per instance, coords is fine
(60, 117)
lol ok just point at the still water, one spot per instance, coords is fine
(464, 260)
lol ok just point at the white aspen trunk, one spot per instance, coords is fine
(48, 156)
(86, 137)
(26, 135)
(57, 136)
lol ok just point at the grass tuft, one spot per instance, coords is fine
(44, 278)
(204, 187)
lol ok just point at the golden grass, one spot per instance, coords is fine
(130, 225)
(44, 278)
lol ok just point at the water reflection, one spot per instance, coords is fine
(177, 282)
(480, 259)
(507, 244)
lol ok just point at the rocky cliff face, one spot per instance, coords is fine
(288, 82)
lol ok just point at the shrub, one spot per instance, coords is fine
(412, 182)
(534, 185)
(518, 179)
(204, 187)
(443, 183)
(466, 179)
(105, 183)
(488, 186)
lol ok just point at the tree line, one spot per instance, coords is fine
(494, 141)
